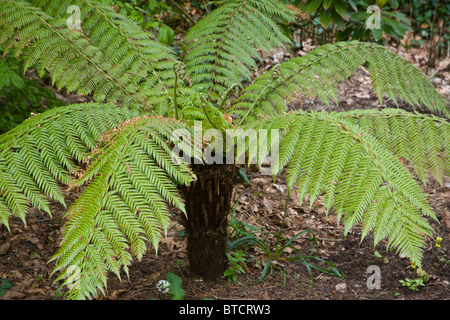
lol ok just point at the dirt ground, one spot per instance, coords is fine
(26, 250)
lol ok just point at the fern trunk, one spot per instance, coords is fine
(208, 203)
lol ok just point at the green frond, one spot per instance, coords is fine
(47, 149)
(222, 46)
(421, 140)
(317, 74)
(110, 58)
(331, 157)
(132, 179)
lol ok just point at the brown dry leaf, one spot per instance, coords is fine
(227, 118)
(16, 275)
(15, 293)
(169, 241)
(4, 247)
(446, 220)
(36, 290)
(268, 204)
(116, 293)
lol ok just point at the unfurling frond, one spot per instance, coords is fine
(222, 46)
(110, 57)
(47, 149)
(317, 74)
(132, 181)
(327, 155)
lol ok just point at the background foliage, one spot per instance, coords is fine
(20, 96)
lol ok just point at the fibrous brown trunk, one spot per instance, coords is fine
(208, 203)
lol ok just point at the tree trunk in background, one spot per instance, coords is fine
(208, 203)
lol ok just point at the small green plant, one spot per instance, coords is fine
(176, 291)
(261, 240)
(57, 292)
(237, 260)
(247, 236)
(5, 285)
(376, 254)
(413, 284)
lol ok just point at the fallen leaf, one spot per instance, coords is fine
(446, 219)
(4, 247)
(227, 118)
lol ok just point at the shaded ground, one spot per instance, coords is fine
(26, 250)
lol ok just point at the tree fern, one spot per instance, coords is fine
(351, 160)
(317, 73)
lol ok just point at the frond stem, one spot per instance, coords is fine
(206, 111)
(257, 100)
(175, 96)
(227, 95)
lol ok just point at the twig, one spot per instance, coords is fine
(206, 6)
(441, 64)
(431, 38)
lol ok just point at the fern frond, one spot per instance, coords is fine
(421, 140)
(317, 74)
(110, 57)
(47, 149)
(222, 46)
(131, 183)
(328, 155)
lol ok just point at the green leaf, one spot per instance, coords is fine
(381, 3)
(396, 26)
(313, 6)
(399, 16)
(377, 34)
(244, 176)
(166, 34)
(341, 9)
(352, 4)
(16, 80)
(337, 19)
(4, 286)
(327, 3)
(325, 18)
(175, 289)
(393, 3)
